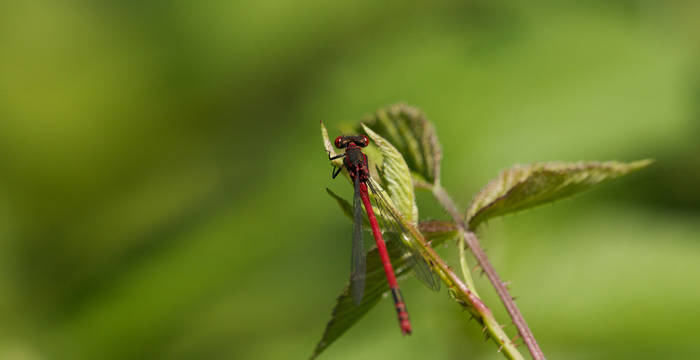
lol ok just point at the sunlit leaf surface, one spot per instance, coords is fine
(523, 187)
(407, 128)
(397, 177)
(346, 313)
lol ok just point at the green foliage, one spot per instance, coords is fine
(152, 200)
(407, 128)
(397, 178)
(346, 207)
(395, 174)
(417, 152)
(523, 187)
(345, 312)
(328, 146)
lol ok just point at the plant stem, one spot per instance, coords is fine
(464, 265)
(460, 292)
(470, 238)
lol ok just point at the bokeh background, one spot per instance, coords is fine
(162, 180)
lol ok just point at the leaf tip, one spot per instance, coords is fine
(367, 129)
(636, 165)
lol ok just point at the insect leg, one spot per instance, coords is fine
(336, 171)
(335, 157)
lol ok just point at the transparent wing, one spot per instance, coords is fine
(358, 262)
(393, 222)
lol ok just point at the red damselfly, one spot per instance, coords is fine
(355, 162)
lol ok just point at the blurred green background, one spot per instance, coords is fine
(162, 180)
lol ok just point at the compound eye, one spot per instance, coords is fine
(364, 140)
(339, 142)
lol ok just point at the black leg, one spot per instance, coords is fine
(337, 171)
(335, 157)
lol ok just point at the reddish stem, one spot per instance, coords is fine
(480, 255)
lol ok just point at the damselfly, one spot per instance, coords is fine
(355, 161)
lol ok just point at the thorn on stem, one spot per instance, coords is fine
(476, 267)
(514, 298)
(500, 348)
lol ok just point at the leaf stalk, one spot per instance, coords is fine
(471, 240)
(466, 297)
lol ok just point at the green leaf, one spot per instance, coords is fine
(347, 209)
(413, 135)
(396, 176)
(328, 146)
(345, 313)
(523, 187)
(398, 185)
